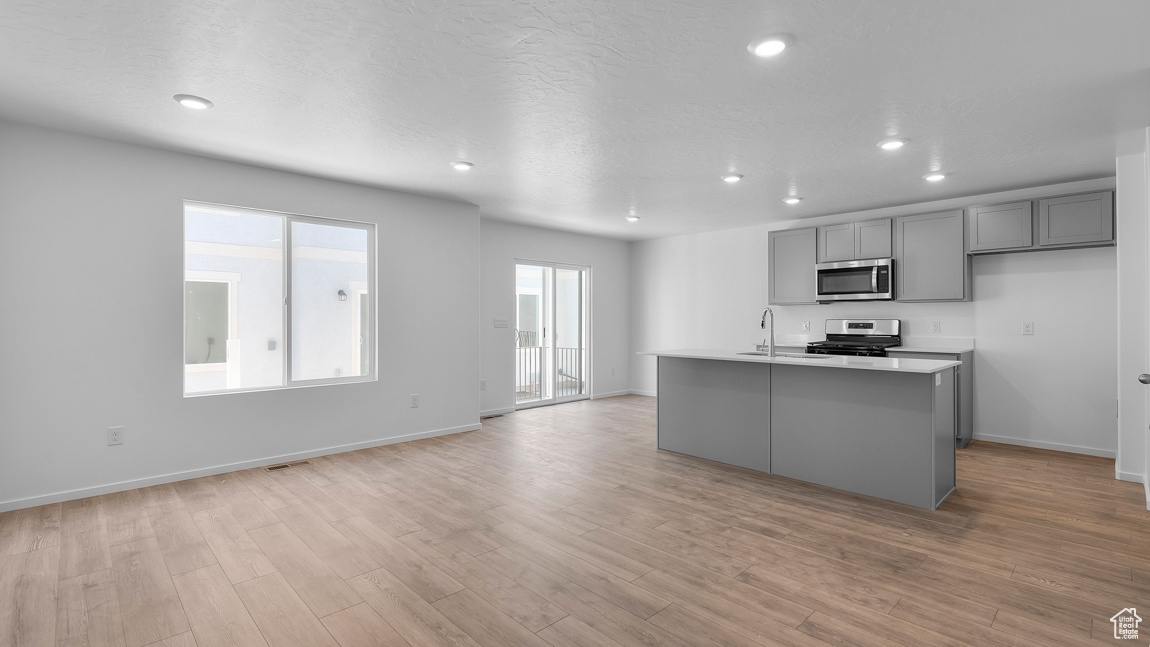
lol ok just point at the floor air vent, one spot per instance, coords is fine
(284, 466)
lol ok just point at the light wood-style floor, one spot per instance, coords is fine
(564, 526)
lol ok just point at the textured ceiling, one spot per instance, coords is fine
(576, 112)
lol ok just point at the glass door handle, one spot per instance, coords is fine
(1144, 378)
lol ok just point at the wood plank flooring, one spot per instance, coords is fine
(564, 527)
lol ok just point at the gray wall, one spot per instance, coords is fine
(91, 270)
(91, 282)
(610, 317)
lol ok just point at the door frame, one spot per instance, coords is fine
(585, 320)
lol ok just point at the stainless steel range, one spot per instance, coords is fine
(862, 337)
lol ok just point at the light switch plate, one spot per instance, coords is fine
(806, 326)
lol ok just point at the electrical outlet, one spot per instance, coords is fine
(806, 326)
(1028, 327)
(414, 400)
(482, 385)
(936, 327)
(115, 435)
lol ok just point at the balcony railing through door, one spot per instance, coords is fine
(528, 371)
(529, 367)
(569, 380)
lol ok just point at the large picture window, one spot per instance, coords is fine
(274, 300)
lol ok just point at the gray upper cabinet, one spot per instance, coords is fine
(872, 239)
(1085, 220)
(836, 243)
(791, 266)
(854, 241)
(930, 257)
(1076, 219)
(1000, 227)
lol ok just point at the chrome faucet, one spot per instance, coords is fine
(768, 344)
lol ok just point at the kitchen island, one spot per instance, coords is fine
(877, 426)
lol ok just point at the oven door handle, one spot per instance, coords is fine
(874, 280)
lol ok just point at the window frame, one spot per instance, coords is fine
(287, 218)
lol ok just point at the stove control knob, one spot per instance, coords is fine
(1144, 378)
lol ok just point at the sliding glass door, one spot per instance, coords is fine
(532, 300)
(551, 333)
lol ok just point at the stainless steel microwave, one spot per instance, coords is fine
(869, 280)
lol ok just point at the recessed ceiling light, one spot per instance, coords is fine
(892, 144)
(769, 46)
(462, 166)
(794, 199)
(934, 177)
(732, 178)
(632, 218)
(193, 102)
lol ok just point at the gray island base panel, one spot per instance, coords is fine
(887, 435)
(883, 433)
(720, 411)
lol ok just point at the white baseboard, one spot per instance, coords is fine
(81, 493)
(650, 394)
(1146, 483)
(1040, 444)
(599, 396)
(496, 412)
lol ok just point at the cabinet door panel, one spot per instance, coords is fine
(1001, 226)
(872, 239)
(1076, 219)
(964, 388)
(836, 243)
(930, 261)
(791, 266)
(720, 411)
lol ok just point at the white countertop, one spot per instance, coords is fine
(920, 344)
(911, 348)
(932, 344)
(830, 361)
